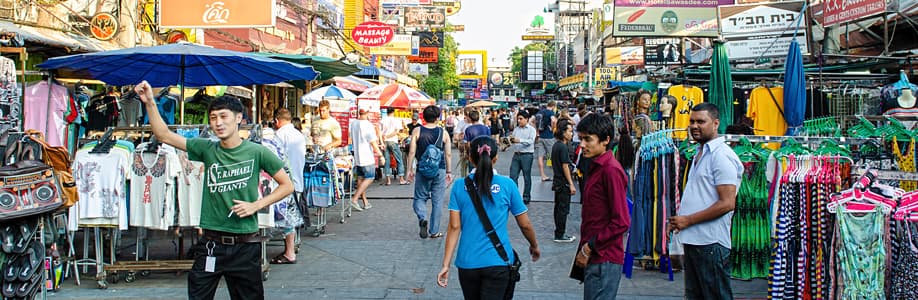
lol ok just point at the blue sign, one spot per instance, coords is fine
(468, 83)
(484, 94)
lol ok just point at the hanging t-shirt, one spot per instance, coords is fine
(9, 95)
(40, 105)
(153, 177)
(100, 179)
(101, 112)
(362, 134)
(686, 98)
(190, 188)
(131, 110)
(232, 174)
(166, 106)
(765, 112)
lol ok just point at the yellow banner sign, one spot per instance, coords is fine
(579, 78)
(604, 74)
(399, 46)
(540, 37)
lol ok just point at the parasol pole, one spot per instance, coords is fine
(182, 92)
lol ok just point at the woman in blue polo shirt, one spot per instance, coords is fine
(483, 274)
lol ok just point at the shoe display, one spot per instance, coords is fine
(423, 232)
(31, 261)
(565, 239)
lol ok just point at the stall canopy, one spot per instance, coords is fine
(353, 83)
(327, 67)
(374, 71)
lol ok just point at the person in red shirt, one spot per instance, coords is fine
(605, 216)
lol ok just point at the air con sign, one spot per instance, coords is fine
(216, 13)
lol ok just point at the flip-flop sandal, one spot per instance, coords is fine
(282, 260)
(26, 233)
(9, 289)
(31, 262)
(26, 286)
(11, 269)
(8, 236)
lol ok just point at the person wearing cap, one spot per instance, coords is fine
(366, 148)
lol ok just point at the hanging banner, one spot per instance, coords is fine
(426, 55)
(424, 17)
(216, 13)
(762, 30)
(698, 51)
(663, 51)
(399, 46)
(666, 18)
(633, 55)
(472, 64)
(431, 39)
(841, 11)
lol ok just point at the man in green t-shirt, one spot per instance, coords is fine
(230, 247)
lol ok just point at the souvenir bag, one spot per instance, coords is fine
(27, 186)
(59, 159)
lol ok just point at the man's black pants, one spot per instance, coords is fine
(562, 209)
(486, 283)
(240, 264)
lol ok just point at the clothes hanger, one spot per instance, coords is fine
(859, 199)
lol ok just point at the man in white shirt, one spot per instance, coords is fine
(391, 127)
(293, 143)
(523, 139)
(366, 147)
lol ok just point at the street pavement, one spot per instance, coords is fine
(377, 254)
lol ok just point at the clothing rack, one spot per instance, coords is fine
(799, 139)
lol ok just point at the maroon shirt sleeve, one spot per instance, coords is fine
(619, 216)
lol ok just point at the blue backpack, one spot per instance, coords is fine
(429, 164)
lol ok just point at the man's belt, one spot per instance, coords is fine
(227, 238)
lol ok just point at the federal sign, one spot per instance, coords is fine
(431, 39)
(666, 18)
(841, 11)
(372, 34)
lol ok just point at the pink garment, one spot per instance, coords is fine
(38, 107)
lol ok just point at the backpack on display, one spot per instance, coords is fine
(429, 164)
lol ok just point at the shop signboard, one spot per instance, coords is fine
(426, 55)
(391, 15)
(472, 64)
(841, 11)
(468, 83)
(666, 18)
(399, 46)
(216, 13)
(632, 55)
(399, 2)
(574, 79)
(341, 111)
(663, 51)
(500, 80)
(602, 75)
(418, 69)
(762, 30)
(424, 17)
(452, 6)
(431, 39)
(458, 28)
(483, 94)
(374, 34)
(698, 51)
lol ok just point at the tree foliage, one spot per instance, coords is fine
(442, 75)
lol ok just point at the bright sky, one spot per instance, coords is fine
(497, 26)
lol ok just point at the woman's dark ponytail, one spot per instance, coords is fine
(482, 150)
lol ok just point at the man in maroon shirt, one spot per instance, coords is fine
(605, 216)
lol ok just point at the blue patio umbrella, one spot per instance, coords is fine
(327, 92)
(180, 64)
(794, 88)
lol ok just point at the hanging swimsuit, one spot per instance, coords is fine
(906, 163)
(904, 274)
(861, 254)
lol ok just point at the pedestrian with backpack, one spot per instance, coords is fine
(546, 137)
(431, 146)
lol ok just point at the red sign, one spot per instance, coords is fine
(372, 34)
(426, 55)
(841, 11)
(103, 26)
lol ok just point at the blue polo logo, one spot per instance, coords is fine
(495, 189)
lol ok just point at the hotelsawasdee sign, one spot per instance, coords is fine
(216, 13)
(424, 17)
(762, 30)
(841, 11)
(666, 17)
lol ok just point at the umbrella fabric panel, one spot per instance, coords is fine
(794, 88)
(162, 66)
(328, 68)
(313, 98)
